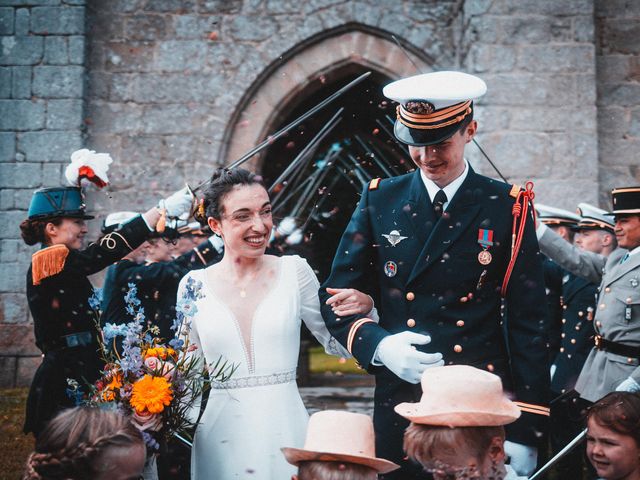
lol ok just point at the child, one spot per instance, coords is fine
(339, 446)
(457, 428)
(613, 436)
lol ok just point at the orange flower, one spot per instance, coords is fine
(115, 382)
(151, 394)
(159, 352)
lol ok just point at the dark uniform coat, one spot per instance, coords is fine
(157, 287)
(578, 304)
(439, 289)
(65, 324)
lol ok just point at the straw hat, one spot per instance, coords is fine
(337, 436)
(460, 396)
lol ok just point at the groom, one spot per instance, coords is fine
(432, 248)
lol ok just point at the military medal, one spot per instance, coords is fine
(393, 237)
(485, 239)
(390, 269)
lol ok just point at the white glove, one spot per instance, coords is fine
(179, 204)
(552, 371)
(523, 457)
(397, 353)
(286, 226)
(628, 385)
(295, 237)
(217, 243)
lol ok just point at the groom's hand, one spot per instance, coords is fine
(397, 353)
(349, 301)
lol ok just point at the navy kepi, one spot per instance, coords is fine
(57, 202)
(625, 200)
(433, 106)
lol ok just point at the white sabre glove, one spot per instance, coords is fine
(178, 204)
(286, 226)
(217, 243)
(523, 457)
(628, 385)
(397, 353)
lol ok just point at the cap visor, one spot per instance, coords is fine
(296, 455)
(422, 138)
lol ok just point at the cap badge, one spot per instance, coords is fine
(390, 269)
(393, 237)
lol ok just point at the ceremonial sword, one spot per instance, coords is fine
(570, 446)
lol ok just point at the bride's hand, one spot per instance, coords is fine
(349, 301)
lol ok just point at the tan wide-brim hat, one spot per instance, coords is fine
(337, 436)
(460, 396)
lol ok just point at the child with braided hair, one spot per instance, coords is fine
(82, 443)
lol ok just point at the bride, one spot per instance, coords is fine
(249, 310)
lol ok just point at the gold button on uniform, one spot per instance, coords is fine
(457, 348)
(410, 296)
(411, 323)
(460, 323)
(607, 289)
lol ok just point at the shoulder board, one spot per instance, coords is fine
(48, 262)
(374, 184)
(515, 189)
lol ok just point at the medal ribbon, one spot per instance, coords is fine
(485, 238)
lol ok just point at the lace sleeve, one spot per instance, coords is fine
(310, 309)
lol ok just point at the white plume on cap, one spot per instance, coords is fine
(89, 165)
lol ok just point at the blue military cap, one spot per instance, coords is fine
(57, 202)
(594, 218)
(433, 106)
(626, 200)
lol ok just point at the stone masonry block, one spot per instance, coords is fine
(6, 20)
(21, 114)
(30, 3)
(8, 367)
(145, 27)
(134, 56)
(64, 114)
(17, 339)
(190, 27)
(52, 175)
(177, 56)
(22, 175)
(9, 247)
(49, 146)
(6, 203)
(552, 58)
(625, 94)
(64, 20)
(13, 308)
(220, 6)
(543, 7)
(58, 82)
(621, 36)
(5, 82)
(246, 28)
(7, 146)
(27, 366)
(55, 50)
(634, 124)
(9, 228)
(115, 118)
(21, 50)
(583, 29)
(23, 21)
(177, 6)
(21, 82)
(77, 45)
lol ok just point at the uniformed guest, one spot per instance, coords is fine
(433, 248)
(156, 279)
(613, 362)
(562, 222)
(593, 233)
(58, 290)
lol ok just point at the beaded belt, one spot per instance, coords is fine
(256, 381)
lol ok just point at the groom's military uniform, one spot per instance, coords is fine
(442, 277)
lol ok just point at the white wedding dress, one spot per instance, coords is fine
(259, 410)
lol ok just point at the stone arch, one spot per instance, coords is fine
(275, 90)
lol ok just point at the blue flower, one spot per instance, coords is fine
(95, 300)
(111, 330)
(176, 343)
(186, 307)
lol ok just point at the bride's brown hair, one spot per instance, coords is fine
(72, 443)
(222, 182)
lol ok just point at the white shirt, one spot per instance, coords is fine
(450, 190)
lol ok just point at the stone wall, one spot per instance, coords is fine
(172, 88)
(42, 56)
(618, 60)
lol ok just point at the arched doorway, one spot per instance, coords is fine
(327, 186)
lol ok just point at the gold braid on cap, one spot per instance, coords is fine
(437, 119)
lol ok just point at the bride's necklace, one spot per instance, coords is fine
(242, 286)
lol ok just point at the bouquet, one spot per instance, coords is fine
(158, 384)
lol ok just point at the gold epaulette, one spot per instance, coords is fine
(374, 184)
(515, 189)
(48, 262)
